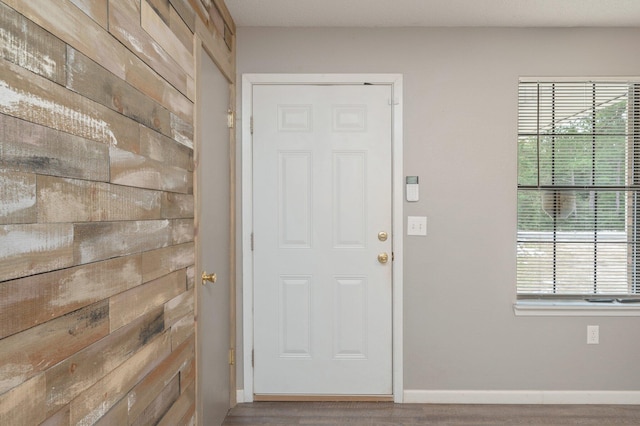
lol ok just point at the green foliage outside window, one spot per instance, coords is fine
(577, 154)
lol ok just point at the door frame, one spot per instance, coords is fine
(395, 81)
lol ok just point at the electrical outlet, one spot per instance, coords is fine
(593, 334)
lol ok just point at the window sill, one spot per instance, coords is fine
(574, 308)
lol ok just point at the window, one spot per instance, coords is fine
(578, 189)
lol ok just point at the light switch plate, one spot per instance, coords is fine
(417, 225)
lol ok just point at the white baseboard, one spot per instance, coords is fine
(521, 397)
(509, 397)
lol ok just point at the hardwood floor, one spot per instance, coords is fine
(387, 413)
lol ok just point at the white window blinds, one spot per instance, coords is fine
(578, 182)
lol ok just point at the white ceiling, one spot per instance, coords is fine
(435, 13)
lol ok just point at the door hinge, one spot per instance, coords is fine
(251, 124)
(252, 241)
(231, 119)
(253, 357)
(232, 356)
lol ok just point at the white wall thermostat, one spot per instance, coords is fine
(413, 190)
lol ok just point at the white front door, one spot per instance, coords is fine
(322, 201)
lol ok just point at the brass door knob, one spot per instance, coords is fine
(382, 236)
(208, 277)
(383, 258)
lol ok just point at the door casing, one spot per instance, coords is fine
(395, 81)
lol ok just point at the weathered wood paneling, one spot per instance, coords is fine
(33, 300)
(191, 277)
(114, 93)
(147, 390)
(60, 417)
(189, 417)
(159, 406)
(185, 12)
(18, 195)
(95, 9)
(96, 401)
(161, 7)
(71, 377)
(26, 354)
(182, 410)
(190, 183)
(74, 27)
(182, 231)
(177, 206)
(156, 263)
(32, 148)
(38, 100)
(117, 415)
(201, 11)
(188, 374)
(124, 24)
(104, 240)
(180, 29)
(178, 307)
(69, 23)
(181, 331)
(165, 150)
(29, 46)
(153, 24)
(182, 131)
(29, 397)
(157, 89)
(126, 307)
(136, 170)
(216, 20)
(34, 248)
(70, 200)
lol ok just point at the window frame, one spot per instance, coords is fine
(577, 305)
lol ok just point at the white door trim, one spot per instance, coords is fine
(248, 81)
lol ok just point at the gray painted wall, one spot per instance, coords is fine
(460, 113)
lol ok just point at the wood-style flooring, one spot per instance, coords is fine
(387, 413)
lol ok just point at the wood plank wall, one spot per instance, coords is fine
(97, 207)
